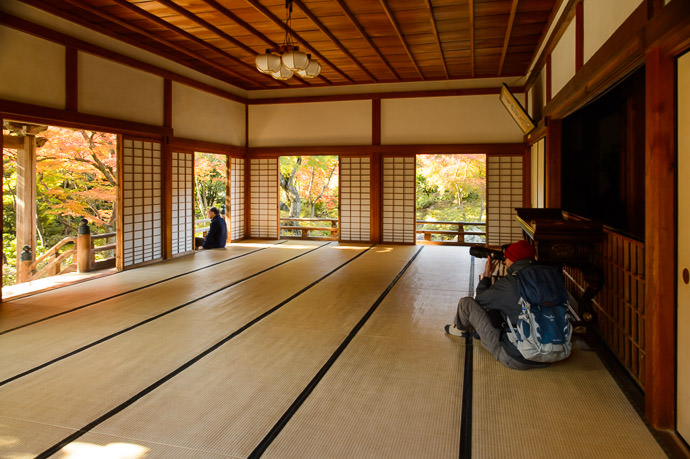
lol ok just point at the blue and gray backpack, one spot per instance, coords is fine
(543, 329)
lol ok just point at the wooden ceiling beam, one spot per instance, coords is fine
(276, 20)
(470, 5)
(506, 40)
(436, 36)
(368, 39)
(333, 38)
(395, 25)
(248, 27)
(152, 17)
(233, 17)
(152, 36)
(208, 26)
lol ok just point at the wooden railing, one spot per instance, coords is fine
(201, 226)
(295, 230)
(29, 269)
(108, 246)
(81, 257)
(454, 235)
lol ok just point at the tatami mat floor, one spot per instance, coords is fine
(297, 350)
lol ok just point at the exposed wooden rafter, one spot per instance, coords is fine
(364, 34)
(509, 30)
(333, 38)
(356, 41)
(276, 20)
(138, 30)
(437, 38)
(396, 26)
(214, 29)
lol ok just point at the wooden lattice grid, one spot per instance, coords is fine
(182, 236)
(504, 193)
(355, 188)
(620, 304)
(236, 198)
(141, 206)
(264, 198)
(399, 204)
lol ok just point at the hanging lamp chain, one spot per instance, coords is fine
(287, 41)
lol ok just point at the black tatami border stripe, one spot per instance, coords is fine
(132, 290)
(282, 422)
(67, 440)
(151, 319)
(465, 451)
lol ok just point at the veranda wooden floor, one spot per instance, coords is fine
(290, 350)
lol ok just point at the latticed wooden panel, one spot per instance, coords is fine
(264, 198)
(355, 208)
(503, 194)
(236, 198)
(141, 205)
(399, 199)
(182, 207)
(620, 306)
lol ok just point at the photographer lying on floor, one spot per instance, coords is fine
(497, 313)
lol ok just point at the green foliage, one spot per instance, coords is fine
(451, 188)
(309, 186)
(75, 178)
(210, 179)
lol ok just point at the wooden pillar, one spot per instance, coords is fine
(376, 181)
(552, 164)
(84, 247)
(660, 237)
(26, 195)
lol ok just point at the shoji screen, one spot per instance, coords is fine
(141, 204)
(236, 198)
(503, 195)
(355, 186)
(399, 199)
(264, 198)
(537, 175)
(182, 208)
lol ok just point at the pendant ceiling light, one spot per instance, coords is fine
(287, 60)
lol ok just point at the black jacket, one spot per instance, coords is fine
(217, 234)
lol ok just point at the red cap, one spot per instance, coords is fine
(519, 250)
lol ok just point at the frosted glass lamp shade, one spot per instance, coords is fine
(295, 59)
(268, 62)
(312, 70)
(283, 73)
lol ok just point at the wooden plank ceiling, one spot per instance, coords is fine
(356, 41)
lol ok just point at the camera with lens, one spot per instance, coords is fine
(481, 251)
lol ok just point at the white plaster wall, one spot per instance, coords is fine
(32, 70)
(107, 88)
(563, 60)
(312, 123)
(456, 119)
(40, 17)
(203, 116)
(600, 19)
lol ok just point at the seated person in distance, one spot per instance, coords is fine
(217, 232)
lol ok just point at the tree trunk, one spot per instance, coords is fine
(287, 183)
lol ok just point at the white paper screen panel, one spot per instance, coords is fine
(399, 199)
(503, 195)
(141, 206)
(355, 209)
(264, 198)
(182, 207)
(236, 198)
